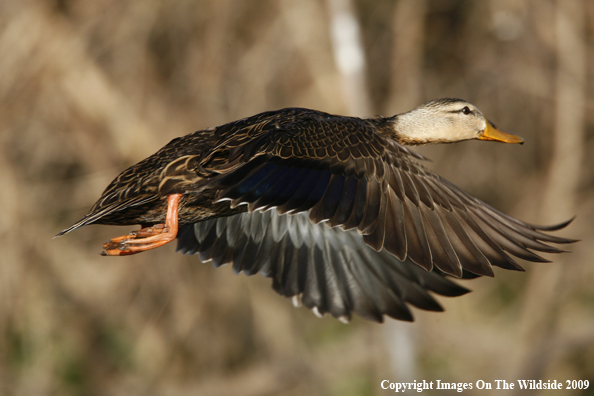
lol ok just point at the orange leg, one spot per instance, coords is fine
(149, 237)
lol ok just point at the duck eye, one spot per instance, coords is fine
(466, 110)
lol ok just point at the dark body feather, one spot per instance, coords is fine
(334, 210)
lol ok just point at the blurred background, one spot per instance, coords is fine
(88, 88)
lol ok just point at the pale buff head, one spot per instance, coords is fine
(447, 120)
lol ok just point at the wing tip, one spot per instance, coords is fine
(554, 227)
(455, 290)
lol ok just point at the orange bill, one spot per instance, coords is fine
(491, 132)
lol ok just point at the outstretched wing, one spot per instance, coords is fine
(327, 269)
(344, 172)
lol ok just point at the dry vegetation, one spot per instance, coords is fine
(88, 88)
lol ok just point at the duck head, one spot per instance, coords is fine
(447, 120)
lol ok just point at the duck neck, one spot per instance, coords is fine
(400, 128)
(416, 128)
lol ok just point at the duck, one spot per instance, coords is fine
(340, 212)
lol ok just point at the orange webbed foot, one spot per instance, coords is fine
(149, 237)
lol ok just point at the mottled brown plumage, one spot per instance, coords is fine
(335, 209)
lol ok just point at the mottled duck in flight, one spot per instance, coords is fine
(337, 210)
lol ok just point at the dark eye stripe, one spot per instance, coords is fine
(464, 110)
